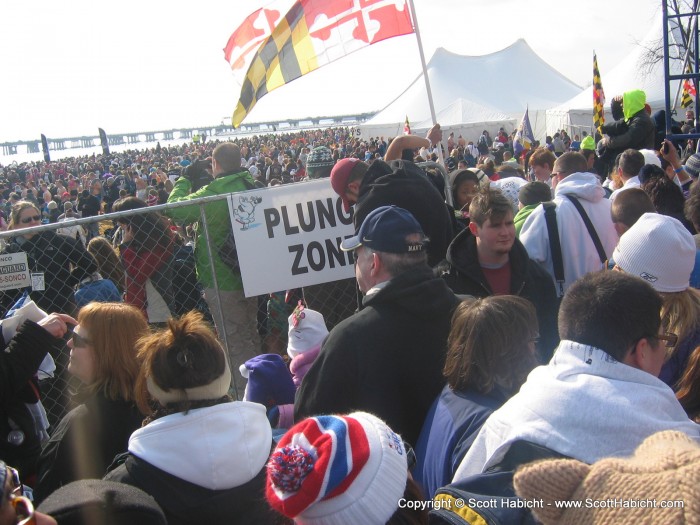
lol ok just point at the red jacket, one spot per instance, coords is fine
(141, 266)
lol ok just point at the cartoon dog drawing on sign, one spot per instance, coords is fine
(245, 211)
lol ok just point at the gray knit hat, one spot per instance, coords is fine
(692, 165)
(319, 158)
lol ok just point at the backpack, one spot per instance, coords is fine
(550, 216)
(227, 251)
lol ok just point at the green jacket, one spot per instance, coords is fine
(523, 213)
(218, 223)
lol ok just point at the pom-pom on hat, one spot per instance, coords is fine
(336, 470)
(307, 330)
(269, 380)
(660, 250)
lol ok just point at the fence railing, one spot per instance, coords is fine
(169, 285)
(164, 283)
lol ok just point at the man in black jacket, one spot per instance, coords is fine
(487, 259)
(89, 206)
(632, 128)
(399, 183)
(386, 359)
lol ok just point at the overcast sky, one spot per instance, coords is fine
(69, 67)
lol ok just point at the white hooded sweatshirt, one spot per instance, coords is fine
(583, 404)
(218, 447)
(578, 251)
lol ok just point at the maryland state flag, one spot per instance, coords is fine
(688, 90)
(406, 127)
(598, 97)
(314, 33)
(246, 39)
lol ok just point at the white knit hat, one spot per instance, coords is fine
(660, 250)
(650, 157)
(307, 330)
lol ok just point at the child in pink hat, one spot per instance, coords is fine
(307, 332)
(268, 378)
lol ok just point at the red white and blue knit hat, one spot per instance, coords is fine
(336, 470)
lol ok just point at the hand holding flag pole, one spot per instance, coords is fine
(425, 75)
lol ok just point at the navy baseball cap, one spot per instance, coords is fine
(385, 230)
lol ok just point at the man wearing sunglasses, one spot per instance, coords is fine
(600, 395)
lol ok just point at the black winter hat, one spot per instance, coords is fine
(99, 502)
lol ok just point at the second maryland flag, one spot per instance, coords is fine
(688, 91)
(598, 97)
(314, 33)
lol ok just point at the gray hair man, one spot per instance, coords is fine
(386, 359)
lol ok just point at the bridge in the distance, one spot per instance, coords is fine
(115, 139)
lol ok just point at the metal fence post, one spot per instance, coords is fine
(222, 322)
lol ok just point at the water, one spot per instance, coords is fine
(24, 156)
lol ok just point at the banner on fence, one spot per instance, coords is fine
(289, 236)
(14, 271)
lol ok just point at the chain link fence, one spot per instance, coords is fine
(165, 260)
(131, 263)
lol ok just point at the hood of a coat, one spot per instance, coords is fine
(217, 447)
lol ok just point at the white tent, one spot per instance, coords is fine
(494, 88)
(467, 119)
(576, 114)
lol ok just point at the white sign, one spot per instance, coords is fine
(14, 271)
(289, 236)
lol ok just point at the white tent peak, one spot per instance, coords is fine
(505, 83)
(518, 49)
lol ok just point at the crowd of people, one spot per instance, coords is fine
(518, 305)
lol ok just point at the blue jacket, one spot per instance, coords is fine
(450, 428)
(102, 291)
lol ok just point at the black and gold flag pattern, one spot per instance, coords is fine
(598, 96)
(312, 34)
(688, 91)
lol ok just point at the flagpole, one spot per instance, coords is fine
(425, 73)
